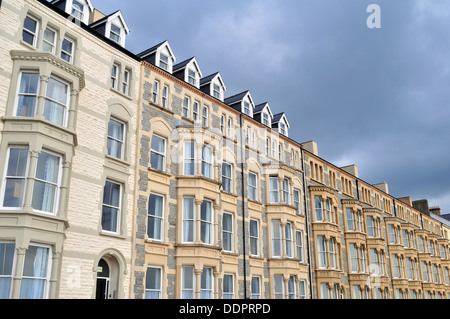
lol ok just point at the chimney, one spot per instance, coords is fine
(435, 210)
(95, 16)
(407, 200)
(311, 147)
(422, 206)
(382, 187)
(352, 169)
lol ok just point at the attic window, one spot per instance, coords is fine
(216, 91)
(283, 128)
(246, 108)
(163, 61)
(266, 119)
(192, 77)
(77, 10)
(115, 33)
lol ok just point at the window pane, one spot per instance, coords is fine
(6, 269)
(155, 215)
(29, 30)
(15, 179)
(111, 203)
(56, 101)
(45, 185)
(48, 44)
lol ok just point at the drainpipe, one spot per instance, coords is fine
(243, 207)
(357, 189)
(308, 248)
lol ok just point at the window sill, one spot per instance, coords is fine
(157, 171)
(128, 97)
(111, 234)
(162, 108)
(117, 160)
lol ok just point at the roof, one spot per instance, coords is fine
(183, 65)
(278, 117)
(154, 48)
(236, 98)
(111, 17)
(207, 79)
(260, 107)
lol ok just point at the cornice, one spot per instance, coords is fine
(46, 57)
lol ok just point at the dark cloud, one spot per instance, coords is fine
(377, 98)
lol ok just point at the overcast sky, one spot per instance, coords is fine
(377, 98)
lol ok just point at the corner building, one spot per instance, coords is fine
(68, 148)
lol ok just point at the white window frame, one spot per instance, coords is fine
(206, 163)
(13, 263)
(297, 200)
(113, 33)
(57, 185)
(163, 64)
(68, 54)
(115, 76)
(184, 289)
(322, 252)
(121, 143)
(278, 287)
(207, 292)
(77, 13)
(207, 239)
(159, 281)
(6, 177)
(256, 294)
(46, 279)
(188, 231)
(192, 77)
(254, 237)
(28, 95)
(275, 199)
(119, 208)
(191, 160)
(277, 239)
(286, 191)
(318, 209)
(253, 188)
(126, 80)
(157, 153)
(205, 116)
(45, 41)
(289, 239)
(159, 219)
(155, 94)
(229, 233)
(34, 33)
(299, 245)
(186, 106)
(229, 178)
(228, 294)
(165, 96)
(66, 104)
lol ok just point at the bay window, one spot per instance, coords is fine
(318, 208)
(322, 252)
(286, 191)
(289, 240)
(206, 222)
(189, 158)
(276, 239)
(278, 286)
(187, 282)
(206, 284)
(188, 219)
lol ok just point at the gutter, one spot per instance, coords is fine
(308, 248)
(243, 207)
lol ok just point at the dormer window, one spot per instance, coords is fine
(77, 10)
(114, 33)
(112, 27)
(217, 92)
(266, 119)
(283, 128)
(164, 62)
(247, 108)
(192, 77)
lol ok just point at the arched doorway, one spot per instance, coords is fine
(103, 280)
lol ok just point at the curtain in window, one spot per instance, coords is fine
(278, 287)
(318, 208)
(206, 284)
(34, 273)
(207, 162)
(274, 193)
(15, 178)
(187, 291)
(189, 158)
(55, 103)
(45, 185)
(276, 238)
